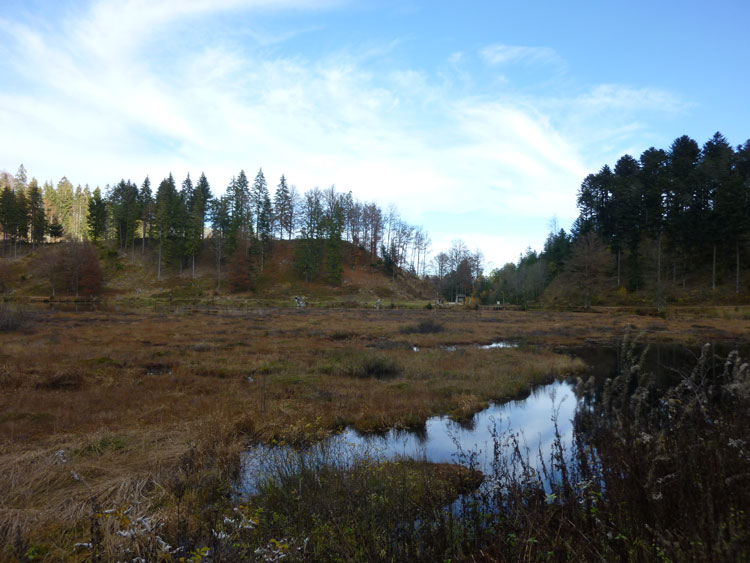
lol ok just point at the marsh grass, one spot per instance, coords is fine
(222, 378)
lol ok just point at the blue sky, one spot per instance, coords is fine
(479, 120)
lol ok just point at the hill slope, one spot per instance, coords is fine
(134, 274)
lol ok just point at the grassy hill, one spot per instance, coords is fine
(131, 274)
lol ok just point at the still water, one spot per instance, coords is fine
(439, 441)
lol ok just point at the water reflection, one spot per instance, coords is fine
(438, 441)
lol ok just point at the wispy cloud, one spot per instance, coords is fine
(506, 54)
(624, 97)
(118, 91)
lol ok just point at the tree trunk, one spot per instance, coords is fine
(618, 268)
(737, 277)
(193, 263)
(713, 271)
(158, 268)
(218, 271)
(658, 260)
(143, 240)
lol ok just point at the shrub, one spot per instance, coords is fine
(62, 381)
(428, 326)
(364, 366)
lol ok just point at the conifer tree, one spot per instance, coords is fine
(97, 219)
(37, 219)
(194, 228)
(21, 178)
(308, 253)
(7, 215)
(124, 200)
(258, 196)
(22, 217)
(165, 216)
(146, 207)
(205, 197)
(240, 230)
(283, 212)
(221, 224)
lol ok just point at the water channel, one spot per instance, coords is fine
(442, 439)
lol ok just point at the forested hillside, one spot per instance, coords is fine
(671, 224)
(175, 226)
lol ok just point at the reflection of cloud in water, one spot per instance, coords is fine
(438, 440)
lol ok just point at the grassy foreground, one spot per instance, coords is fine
(108, 417)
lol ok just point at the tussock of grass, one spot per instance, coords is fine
(372, 365)
(67, 380)
(428, 326)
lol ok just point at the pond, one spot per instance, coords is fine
(439, 441)
(443, 439)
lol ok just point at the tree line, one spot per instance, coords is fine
(689, 205)
(650, 221)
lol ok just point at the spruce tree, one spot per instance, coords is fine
(205, 197)
(258, 196)
(165, 218)
(97, 219)
(37, 219)
(282, 203)
(146, 207)
(22, 218)
(219, 212)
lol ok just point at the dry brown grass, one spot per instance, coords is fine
(127, 394)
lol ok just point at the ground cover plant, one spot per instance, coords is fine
(134, 421)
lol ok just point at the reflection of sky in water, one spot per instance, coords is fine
(532, 417)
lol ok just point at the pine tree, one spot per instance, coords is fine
(241, 227)
(7, 215)
(22, 218)
(146, 207)
(308, 253)
(204, 189)
(258, 196)
(21, 178)
(64, 201)
(124, 200)
(684, 156)
(37, 218)
(264, 229)
(283, 213)
(97, 219)
(194, 230)
(165, 219)
(715, 196)
(221, 224)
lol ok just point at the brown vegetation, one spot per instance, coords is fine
(106, 405)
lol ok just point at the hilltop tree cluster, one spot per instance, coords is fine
(239, 227)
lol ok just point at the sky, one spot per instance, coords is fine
(478, 120)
